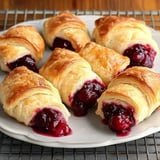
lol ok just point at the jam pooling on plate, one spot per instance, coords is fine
(62, 43)
(140, 55)
(86, 97)
(118, 118)
(50, 122)
(26, 60)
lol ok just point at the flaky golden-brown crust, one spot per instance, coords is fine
(67, 26)
(67, 71)
(106, 62)
(118, 33)
(106, 23)
(136, 87)
(19, 41)
(23, 92)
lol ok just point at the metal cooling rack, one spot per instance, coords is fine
(147, 148)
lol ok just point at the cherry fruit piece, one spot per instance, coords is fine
(50, 122)
(62, 43)
(140, 55)
(26, 60)
(118, 118)
(86, 97)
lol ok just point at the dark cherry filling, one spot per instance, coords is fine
(62, 43)
(26, 60)
(118, 118)
(140, 55)
(86, 97)
(50, 122)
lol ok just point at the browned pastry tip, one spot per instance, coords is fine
(106, 23)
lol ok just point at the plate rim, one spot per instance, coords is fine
(61, 144)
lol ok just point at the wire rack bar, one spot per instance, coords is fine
(142, 149)
(82, 12)
(147, 148)
(11, 17)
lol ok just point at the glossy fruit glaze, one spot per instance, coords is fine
(62, 43)
(118, 118)
(141, 55)
(50, 122)
(86, 97)
(26, 60)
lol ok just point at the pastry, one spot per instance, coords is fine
(21, 45)
(32, 100)
(127, 36)
(65, 30)
(72, 75)
(106, 62)
(130, 98)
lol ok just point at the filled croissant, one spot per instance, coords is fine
(78, 85)
(127, 36)
(21, 45)
(32, 100)
(106, 62)
(130, 98)
(65, 30)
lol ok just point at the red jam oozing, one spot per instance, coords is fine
(26, 60)
(62, 43)
(140, 55)
(50, 122)
(118, 118)
(86, 97)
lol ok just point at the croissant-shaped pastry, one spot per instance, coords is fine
(21, 45)
(127, 36)
(32, 100)
(65, 30)
(72, 75)
(130, 98)
(106, 62)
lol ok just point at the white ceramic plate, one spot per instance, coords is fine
(87, 131)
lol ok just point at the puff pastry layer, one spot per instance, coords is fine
(106, 62)
(21, 45)
(72, 75)
(32, 100)
(130, 98)
(65, 30)
(128, 36)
